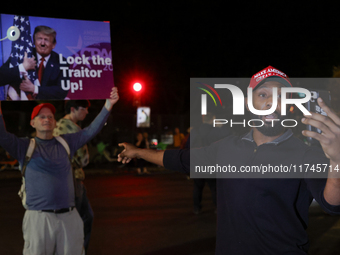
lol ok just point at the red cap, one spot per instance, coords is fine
(37, 109)
(269, 74)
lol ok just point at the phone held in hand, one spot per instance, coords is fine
(313, 106)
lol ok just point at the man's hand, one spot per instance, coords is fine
(29, 63)
(128, 153)
(330, 127)
(26, 85)
(114, 97)
(330, 142)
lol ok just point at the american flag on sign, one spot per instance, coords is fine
(2, 89)
(22, 45)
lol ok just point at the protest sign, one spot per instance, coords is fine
(77, 65)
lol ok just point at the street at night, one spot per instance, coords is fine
(170, 76)
(147, 215)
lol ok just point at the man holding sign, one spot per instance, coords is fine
(51, 225)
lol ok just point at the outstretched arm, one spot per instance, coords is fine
(130, 151)
(330, 142)
(77, 140)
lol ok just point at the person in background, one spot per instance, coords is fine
(144, 144)
(178, 138)
(204, 135)
(76, 111)
(146, 139)
(186, 137)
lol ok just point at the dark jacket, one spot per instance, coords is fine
(260, 216)
(50, 87)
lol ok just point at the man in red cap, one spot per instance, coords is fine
(262, 84)
(264, 216)
(51, 225)
(42, 119)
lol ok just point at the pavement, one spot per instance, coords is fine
(147, 215)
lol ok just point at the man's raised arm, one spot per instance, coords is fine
(114, 97)
(77, 140)
(330, 142)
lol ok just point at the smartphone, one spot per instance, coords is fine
(313, 106)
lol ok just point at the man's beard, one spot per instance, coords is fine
(270, 128)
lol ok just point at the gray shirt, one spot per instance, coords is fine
(49, 181)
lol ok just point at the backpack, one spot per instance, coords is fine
(29, 153)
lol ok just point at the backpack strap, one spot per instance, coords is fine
(30, 150)
(65, 144)
(67, 148)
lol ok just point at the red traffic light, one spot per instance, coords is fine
(137, 86)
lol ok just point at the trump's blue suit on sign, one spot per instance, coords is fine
(50, 87)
